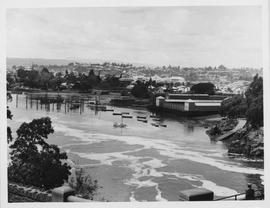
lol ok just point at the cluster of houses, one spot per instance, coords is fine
(226, 80)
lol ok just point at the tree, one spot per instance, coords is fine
(250, 107)
(34, 161)
(203, 88)
(45, 77)
(22, 73)
(254, 97)
(140, 90)
(234, 107)
(9, 116)
(33, 79)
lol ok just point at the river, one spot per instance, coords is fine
(141, 162)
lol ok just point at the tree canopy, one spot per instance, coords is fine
(203, 88)
(33, 160)
(140, 90)
(250, 106)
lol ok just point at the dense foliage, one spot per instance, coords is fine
(234, 107)
(203, 88)
(254, 98)
(140, 90)
(250, 106)
(9, 116)
(33, 160)
(45, 80)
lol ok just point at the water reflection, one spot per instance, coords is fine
(77, 104)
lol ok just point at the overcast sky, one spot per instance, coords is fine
(185, 36)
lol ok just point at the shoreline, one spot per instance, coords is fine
(245, 144)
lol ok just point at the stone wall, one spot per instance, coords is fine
(20, 193)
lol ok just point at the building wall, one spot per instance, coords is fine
(174, 106)
(192, 107)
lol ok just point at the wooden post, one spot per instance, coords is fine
(26, 101)
(31, 101)
(17, 101)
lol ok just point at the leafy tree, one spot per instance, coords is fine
(140, 90)
(71, 78)
(10, 80)
(254, 96)
(250, 107)
(45, 77)
(33, 79)
(234, 107)
(9, 116)
(22, 73)
(34, 161)
(203, 88)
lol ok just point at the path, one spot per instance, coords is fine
(225, 136)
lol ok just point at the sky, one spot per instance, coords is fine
(178, 36)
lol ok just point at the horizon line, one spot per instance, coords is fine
(127, 62)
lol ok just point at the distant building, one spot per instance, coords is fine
(177, 79)
(190, 104)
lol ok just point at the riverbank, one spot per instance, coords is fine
(142, 162)
(246, 143)
(221, 127)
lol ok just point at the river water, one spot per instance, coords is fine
(142, 162)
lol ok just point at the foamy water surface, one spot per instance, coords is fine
(165, 160)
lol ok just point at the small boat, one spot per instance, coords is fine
(156, 119)
(121, 125)
(92, 102)
(125, 112)
(154, 124)
(126, 116)
(75, 106)
(163, 125)
(117, 114)
(145, 121)
(109, 109)
(143, 117)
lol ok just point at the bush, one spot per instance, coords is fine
(83, 185)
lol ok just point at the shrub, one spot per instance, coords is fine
(83, 185)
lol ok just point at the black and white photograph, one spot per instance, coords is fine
(134, 103)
